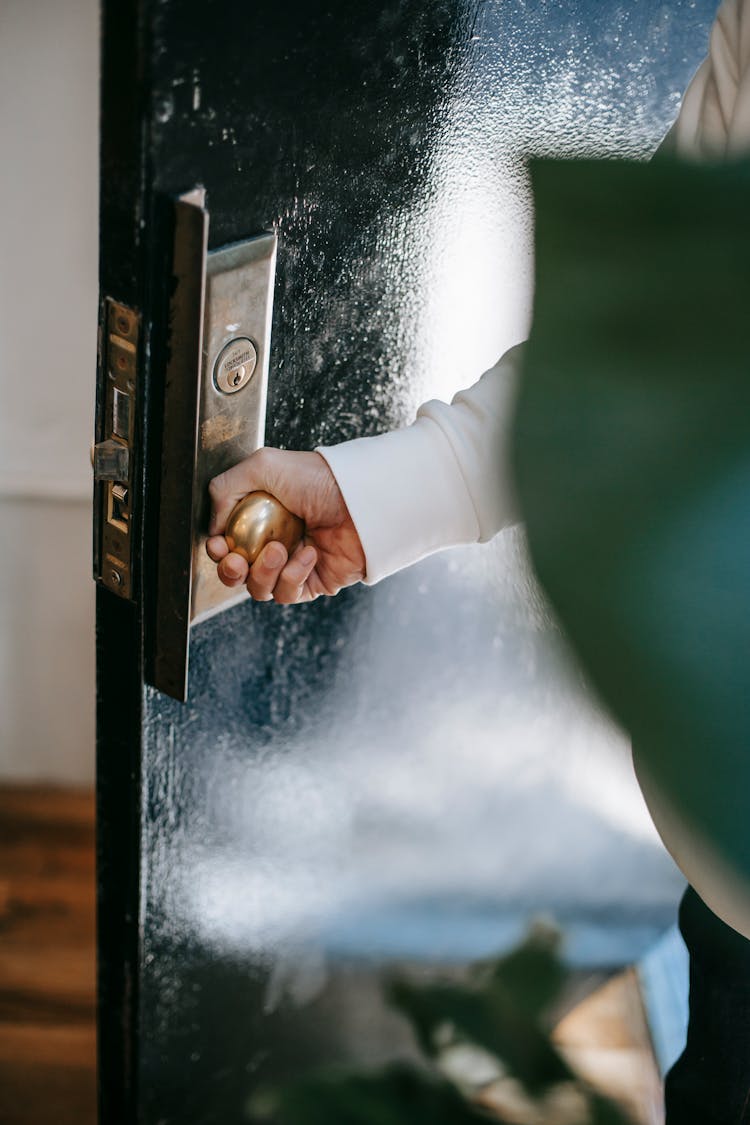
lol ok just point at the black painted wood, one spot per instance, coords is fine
(327, 121)
(123, 274)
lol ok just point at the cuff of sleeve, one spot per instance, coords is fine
(405, 494)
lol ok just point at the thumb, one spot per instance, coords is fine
(229, 487)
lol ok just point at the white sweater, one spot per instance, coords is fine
(445, 479)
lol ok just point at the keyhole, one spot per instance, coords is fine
(235, 364)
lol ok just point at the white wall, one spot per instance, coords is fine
(48, 293)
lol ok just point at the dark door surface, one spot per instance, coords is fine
(368, 779)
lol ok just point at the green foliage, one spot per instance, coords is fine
(500, 1013)
(531, 975)
(398, 1095)
(487, 1019)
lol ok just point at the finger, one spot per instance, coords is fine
(217, 548)
(232, 570)
(290, 587)
(229, 487)
(265, 571)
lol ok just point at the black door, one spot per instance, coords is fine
(364, 780)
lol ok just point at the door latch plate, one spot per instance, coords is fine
(113, 452)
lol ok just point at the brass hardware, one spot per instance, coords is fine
(258, 519)
(112, 458)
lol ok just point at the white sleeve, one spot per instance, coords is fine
(441, 482)
(445, 480)
(714, 118)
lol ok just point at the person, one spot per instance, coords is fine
(374, 505)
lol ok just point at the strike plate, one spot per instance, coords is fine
(214, 415)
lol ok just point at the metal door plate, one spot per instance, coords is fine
(232, 423)
(219, 320)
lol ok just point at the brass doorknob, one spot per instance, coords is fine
(260, 518)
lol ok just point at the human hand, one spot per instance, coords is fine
(330, 555)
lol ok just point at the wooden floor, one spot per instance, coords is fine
(47, 1035)
(606, 1040)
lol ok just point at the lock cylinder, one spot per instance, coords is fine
(235, 365)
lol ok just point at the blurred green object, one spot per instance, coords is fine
(501, 1009)
(398, 1095)
(632, 461)
(500, 1012)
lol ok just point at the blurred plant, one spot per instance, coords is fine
(487, 1052)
